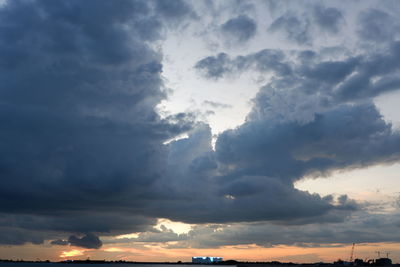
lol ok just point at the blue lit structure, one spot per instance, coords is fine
(206, 259)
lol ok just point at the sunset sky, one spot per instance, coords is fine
(158, 130)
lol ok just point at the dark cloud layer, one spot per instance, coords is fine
(87, 241)
(9, 235)
(84, 152)
(59, 242)
(362, 228)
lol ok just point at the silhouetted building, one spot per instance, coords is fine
(383, 261)
(359, 262)
(342, 262)
(206, 259)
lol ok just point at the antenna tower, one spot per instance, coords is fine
(352, 253)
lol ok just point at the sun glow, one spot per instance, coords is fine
(132, 235)
(177, 227)
(71, 253)
(114, 249)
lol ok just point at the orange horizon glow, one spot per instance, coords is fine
(158, 253)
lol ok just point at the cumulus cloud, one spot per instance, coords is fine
(266, 60)
(346, 136)
(240, 29)
(295, 28)
(328, 18)
(315, 99)
(376, 25)
(302, 26)
(313, 116)
(214, 66)
(348, 79)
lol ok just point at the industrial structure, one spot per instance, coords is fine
(380, 261)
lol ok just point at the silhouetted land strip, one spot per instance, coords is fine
(105, 262)
(227, 262)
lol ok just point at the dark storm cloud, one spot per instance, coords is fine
(87, 241)
(78, 127)
(220, 190)
(241, 28)
(81, 221)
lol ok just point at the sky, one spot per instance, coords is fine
(160, 130)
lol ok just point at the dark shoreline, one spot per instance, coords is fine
(225, 263)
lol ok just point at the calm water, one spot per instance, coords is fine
(26, 264)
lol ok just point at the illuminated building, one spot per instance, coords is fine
(206, 259)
